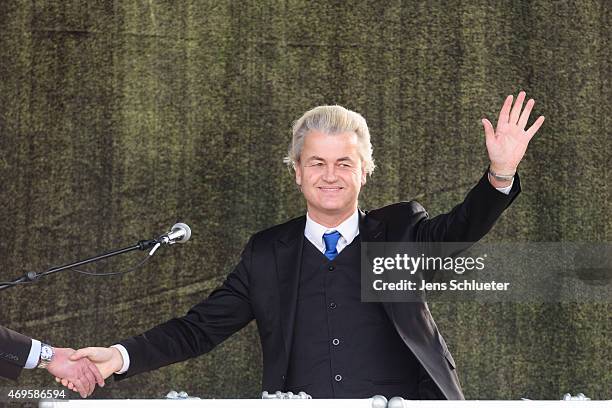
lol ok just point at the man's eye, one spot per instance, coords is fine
(345, 165)
(316, 164)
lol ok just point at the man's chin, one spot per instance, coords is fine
(332, 209)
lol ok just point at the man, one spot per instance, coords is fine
(301, 282)
(18, 351)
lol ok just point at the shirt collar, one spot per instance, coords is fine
(349, 229)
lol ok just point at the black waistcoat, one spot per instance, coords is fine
(343, 348)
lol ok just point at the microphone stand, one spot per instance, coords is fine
(33, 276)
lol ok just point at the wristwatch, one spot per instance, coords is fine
(46, 355)
(501, 177)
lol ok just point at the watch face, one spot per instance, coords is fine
(46, 352)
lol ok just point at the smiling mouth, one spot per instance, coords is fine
(330, 189)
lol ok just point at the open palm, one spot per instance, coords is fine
(507, 144)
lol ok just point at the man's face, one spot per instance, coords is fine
(330, 172)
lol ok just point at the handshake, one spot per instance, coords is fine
(81, 370)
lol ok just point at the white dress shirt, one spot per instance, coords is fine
(348, 230)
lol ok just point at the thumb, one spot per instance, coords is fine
(488, 129)
(84, 352)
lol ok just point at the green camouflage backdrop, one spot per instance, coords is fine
(119, 118)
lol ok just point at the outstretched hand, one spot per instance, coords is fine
(81, 375)
(507, 144)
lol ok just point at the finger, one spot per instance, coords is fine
(69, 385)
(97, 374)
(84, 352)
(488, 129)
(518, 105)
(86, 385)
(522, 122)
(80, 387)
(534, 128)
(91, 380)
(505, 111)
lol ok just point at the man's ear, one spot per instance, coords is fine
(298, 174)
(363, 176)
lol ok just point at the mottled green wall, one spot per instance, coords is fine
(119, 118)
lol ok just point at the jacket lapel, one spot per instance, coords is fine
(372, 230)
(288, 249)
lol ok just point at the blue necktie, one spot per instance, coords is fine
(331, 240)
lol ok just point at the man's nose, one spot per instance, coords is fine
(330, 174)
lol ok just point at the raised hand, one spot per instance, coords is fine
(507, 144)
(82, 375)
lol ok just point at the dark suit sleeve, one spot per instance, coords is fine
(470, 220)
(224, 312)
(14, 351)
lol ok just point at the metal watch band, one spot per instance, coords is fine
(46, 355)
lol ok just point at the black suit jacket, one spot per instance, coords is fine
(14, 351)
(264, 287)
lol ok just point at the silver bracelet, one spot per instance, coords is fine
(501, 177)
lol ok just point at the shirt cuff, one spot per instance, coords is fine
(34, 355)
(506, 190)
(126, 358)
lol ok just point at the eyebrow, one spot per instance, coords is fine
(346, 158)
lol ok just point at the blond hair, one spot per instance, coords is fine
(332, 119)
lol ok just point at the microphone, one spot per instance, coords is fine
(179, 234)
